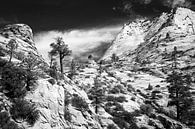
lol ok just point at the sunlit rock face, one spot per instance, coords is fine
(175, 29)
(50, 101)
(20, 31)
(131, 35)
(23, 36)
(158, 37)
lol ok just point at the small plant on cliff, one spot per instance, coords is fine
(179, 88)
(23, 110)
(12, 45)
(79, 103)
(15, 80)
(59, 48)
(114, 58)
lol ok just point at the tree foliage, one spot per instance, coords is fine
(179, 88)
(72, 69)
(12, 45)
(59, 48)
(22, 109)
(114, 58)
(97, 94)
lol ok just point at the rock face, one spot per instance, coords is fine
(23, 35)
(50, 101)
(158, 38)
(129, 38)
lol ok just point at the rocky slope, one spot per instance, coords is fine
(48, 98)
(158, 37)
(133, 98)
(131, 35)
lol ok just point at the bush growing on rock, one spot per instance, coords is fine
(150, 87)
(67, 115)
(146, 109)
(4, 118)
(119, 99)
(117, 89)
(22, 109)
(16, 80)
(112, 126)
(51, 81)
(79, 103)
(11, 125)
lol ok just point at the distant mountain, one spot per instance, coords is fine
(149, 40)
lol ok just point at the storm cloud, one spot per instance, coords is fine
(151, 6)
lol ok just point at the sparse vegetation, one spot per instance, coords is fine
(146, 109)
(79, 103)
(15, 80)
(114, 58)
(119, 99)
(117, 89)
(22, 109)
(112, 126)
(51, 81)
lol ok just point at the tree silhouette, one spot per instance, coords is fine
(59, 48)
(114, 58)
(97, 94)
(179, 88)
(12, 45)
(72, 69)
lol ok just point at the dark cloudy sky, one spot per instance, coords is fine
(61, 14)
(86, 25)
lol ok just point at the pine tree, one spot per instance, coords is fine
(30, 64)
(12, 45)
(72, 69)
(179, 88)
(61, 49)
(97, 94)
(114, 57)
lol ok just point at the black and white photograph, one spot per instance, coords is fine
(97, 64)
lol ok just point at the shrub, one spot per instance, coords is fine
(149, 87)
(4, 118)
(117, 89)
(146, 109)
(13, 80)
(67, 115)
(51, 81)
(130, 88)
(79, 103)
(133, 98)
(16, 80)
(22, 109)
(111, 126)
(11, 125)
(20, 55)
(119, 99)
(122, 124)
